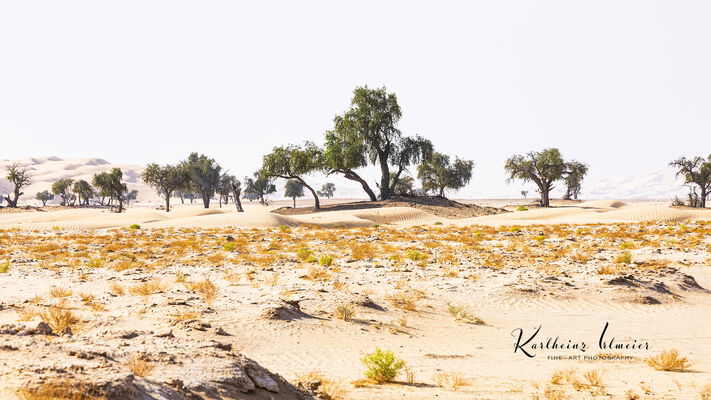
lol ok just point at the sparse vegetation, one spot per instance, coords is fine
(669, 360)
(382, 366)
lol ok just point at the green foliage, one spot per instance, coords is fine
(325, 261)
(134, 226)
(544, 168)
(165, 180)
(293, 189)
(382, 366)
(109, 184)
(44, 197)
(229, 246)
(293, 162)
(327, 190)
(4, 267)
(258, 188)
(415, 255)
(202, 174)
(624, 258)
(695, 171)
(84, 191)
(303, 253)
(521, 208)
(438, 174)
(62, 189)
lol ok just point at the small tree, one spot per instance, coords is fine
(258, 187)
(409, 151)
(438, 174)
(574, 179)
(524, 193)
(109, 183)
(327, 190)
(20, 177)
(165, 180)
(44, 197)
(542, 168)
(83, 191)
(293, 189)
(130, 196)
(294, 162)
(63, 189)
(203, 174)
(405, 186)
(696, 171)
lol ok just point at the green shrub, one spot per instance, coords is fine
(325, 261)
(382, 366)
(303, 254)
(521, 208)
(415, 255)
(624, 258)
(4, 267)
(135, 226)
(229, 246)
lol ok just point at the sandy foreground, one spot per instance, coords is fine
(214, 303)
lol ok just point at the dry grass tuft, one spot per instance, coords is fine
(327, 388)
(147, 288)
(60, 292)
(61, 390)
(345, 312)
(205, 288)
(464, 314)
(451, 380)
(140, 367)
(59, 319)
(669, 360)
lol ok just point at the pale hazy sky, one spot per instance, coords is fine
(622, 85)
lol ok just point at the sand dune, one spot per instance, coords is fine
(255, 216)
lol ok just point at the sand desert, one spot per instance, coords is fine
(299, 300)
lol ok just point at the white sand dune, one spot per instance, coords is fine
(256, 216)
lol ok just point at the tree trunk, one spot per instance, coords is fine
(206, 201)
(385, 178)
(167, 203)
(236, 192)
(704, 194)
(294, 198)
(545, 200)
(349, 174)
(317, 204)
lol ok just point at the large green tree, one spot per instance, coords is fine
(165, 180)
(695, 171)
(83, 191)
(438, 173)
(294, 162)
(367, 133)
(63, 189)
(203, 174)
(543, 168)
(20, 177)
(110, 184)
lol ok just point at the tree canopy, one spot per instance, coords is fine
(327, 190)
(203, 174)
(293, 188)
(695, 171)
(63, 189)
(294, 162)
(542, 168)
(438, 174)
(165, 180)
(110, 184)
(44, 197)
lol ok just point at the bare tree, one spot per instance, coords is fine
(20, 177)
(236, 186)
